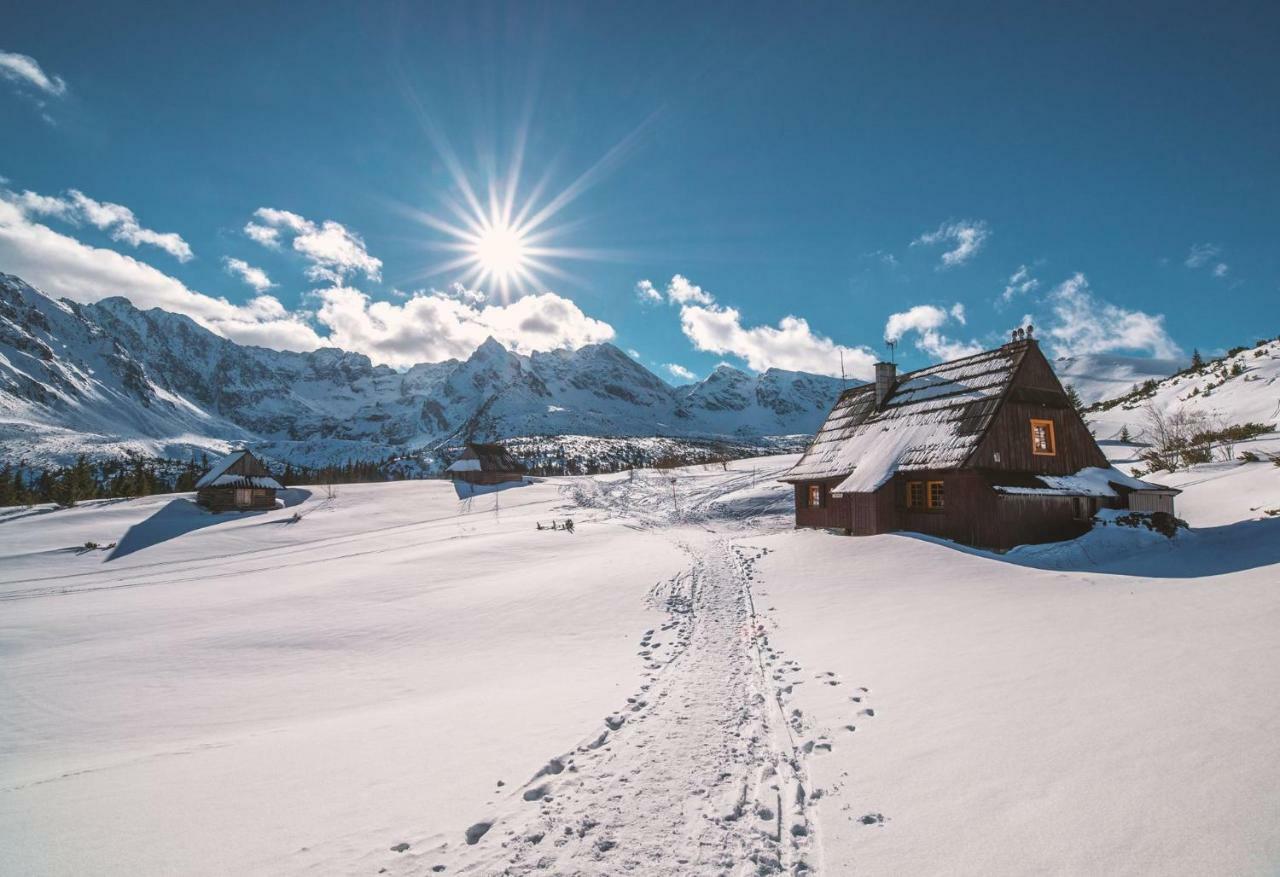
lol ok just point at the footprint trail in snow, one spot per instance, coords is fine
(697, 772)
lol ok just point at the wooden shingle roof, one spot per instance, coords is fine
(932, 419)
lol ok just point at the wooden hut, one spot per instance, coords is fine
(238, 482)
(486, 464)
(985, 450)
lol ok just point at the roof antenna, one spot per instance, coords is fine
(891, 345)
(844, 384)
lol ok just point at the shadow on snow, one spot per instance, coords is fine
(1194, 553)
(180, 516)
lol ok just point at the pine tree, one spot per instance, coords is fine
(1074, 399)
(1124, 434)
(1197, 361)
(7, 494)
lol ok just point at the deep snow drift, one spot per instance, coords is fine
(682, 685)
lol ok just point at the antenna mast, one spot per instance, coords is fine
(844, 385)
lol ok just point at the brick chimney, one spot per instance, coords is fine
(886, 374)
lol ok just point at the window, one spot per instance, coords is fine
(1042, 443)
(936, 495)
(915, 494)
(815, 496)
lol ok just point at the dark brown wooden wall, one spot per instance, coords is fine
(833, 514)
(221, 499)
(248, 465)
(1010, 433)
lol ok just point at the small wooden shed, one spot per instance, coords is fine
(238, 482)
(486, 464)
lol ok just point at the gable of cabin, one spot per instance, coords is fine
(1036, 430)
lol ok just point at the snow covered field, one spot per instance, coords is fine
(683, 685)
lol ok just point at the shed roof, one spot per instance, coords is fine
(932, 419)
(491, 458)
(218, 476)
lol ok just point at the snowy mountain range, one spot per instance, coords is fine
(108, 378)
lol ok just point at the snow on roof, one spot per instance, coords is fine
(933, 419)
(217, 476)
(464, 466)
(1092, 481)
(491, 458)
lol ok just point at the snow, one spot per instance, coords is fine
(464, 466)
(254, 694)
(1090, 481)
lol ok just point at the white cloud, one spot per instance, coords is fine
(1201, 255)
(255, 277)
(680, 372)
(334, 251)
(263, 234)
(681, 292)
(633, 353)
(1204, 254)
(791, 345)
(115, 219)
(1020, 283)
(646, 293)
(966, 237)
(64, 267)
(926, 321)
(1085, 324)
(26, 71)
(432, 326)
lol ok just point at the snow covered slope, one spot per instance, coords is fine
(107, 377)
(406, 679)
(1237, 389)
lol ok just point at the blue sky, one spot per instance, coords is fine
(810, 176)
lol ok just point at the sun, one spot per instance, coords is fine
(501, 252)
(504, 236)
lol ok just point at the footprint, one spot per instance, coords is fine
(477, 831)
(615, 722)
(400, 847)
(537, 793)
(872, 819)
(867, 712)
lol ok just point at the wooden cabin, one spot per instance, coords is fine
(486, 464)
(238, 482)
(984, 450)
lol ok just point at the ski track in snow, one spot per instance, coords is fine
(700, 771)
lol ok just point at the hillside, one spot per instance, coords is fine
(108, 378)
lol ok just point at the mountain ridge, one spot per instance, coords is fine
(108, 378)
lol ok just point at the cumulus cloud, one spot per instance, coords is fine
(680, 372)
(255, 277)
(647, 294)
(333, 251)
(64, 267)
(432, 326)
(1020, 283)
(1222, 269)
(115, 219)
(681, 292)
(1083, 323)
(965, 237)
(790, 345)
(25, 71)
(926, 321)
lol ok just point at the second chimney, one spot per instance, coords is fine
(886, 374)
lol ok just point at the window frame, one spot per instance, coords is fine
(1049, 433)
(814, 492)
(941, 504)
(924, 495)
